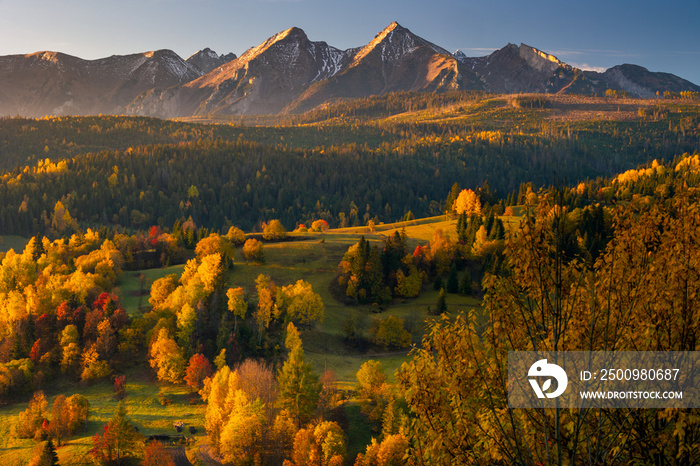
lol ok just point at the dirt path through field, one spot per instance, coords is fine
(180, 456)
(206, 456)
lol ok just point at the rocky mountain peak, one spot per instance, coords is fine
(292, 33)
(290, 73)
(206, 60)
(163, 54)
(394, 42)
(288, 39)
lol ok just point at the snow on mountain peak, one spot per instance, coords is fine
(459, 55)
(295, 35)
(394, 42)
(205, 52)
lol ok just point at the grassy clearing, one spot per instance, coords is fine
(129, 286)
(359, 431)
(142, 406)
(12, 242)
(346, 366)
(418, 231)
(423, 232)
(313, 258)
(316, 262)
(384, 227)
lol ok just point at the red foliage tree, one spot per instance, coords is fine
(64, 314)
(101, 449)
(120, 387)
(36, 353)
(418, 252)
(107, 302)
(153, 234)
(92, 321)
(155, 454)
(198, 369)
(45, 326)
(119, 320)
(101, 300)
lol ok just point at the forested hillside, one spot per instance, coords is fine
(355, 166)
(248, 293)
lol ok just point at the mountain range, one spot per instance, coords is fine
(288, 73)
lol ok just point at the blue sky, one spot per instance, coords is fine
(659, 35)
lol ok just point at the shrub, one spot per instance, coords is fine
(390, 332)
(274, 231)
(253, 251)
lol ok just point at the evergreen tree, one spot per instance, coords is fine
(394, 251)
(488, 221)
(451, 198)
(437, 284)
(453, 280)
(472, 224)
(299, 388)
(462, 228)
(45, 455)
(441, 305)
(119, 440)
(497, 230)
(465, 285)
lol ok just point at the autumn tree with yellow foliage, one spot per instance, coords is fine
(467, 202)
(167, 358)
(638, 295)
(300, 304)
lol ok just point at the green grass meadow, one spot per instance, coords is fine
(315, 260)
(142, 405)
(313, 257)
(129, 290)
(13, 242)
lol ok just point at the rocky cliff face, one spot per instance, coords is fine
(206, 60)
(395, 60)
(523, 69)
(264, 79)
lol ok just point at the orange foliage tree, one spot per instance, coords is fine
(198, 369)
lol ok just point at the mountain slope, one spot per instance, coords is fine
(262, 80)
(206, 60)
(396, 60)
(288, 73)
(639, 81)
(516, 69)
(58, 84)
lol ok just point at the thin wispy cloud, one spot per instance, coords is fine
(598, 52)
(481, 49)
(587, 67)
(478, 50)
